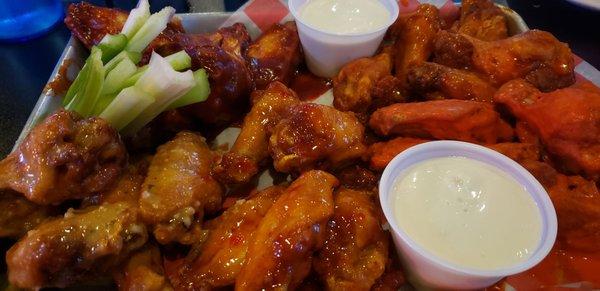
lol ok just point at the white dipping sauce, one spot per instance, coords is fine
(467, 212)
(345, 16)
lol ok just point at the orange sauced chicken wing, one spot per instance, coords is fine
(19, 215)
(537, 56)
(81, 245)
(179, 189)
(275, 55)
(143, 271)
(64, 157)
(416, 39)
(442, 119)
(353, 85)
(219, 260)
(356, 248)
(481, 19)
(434, 81)
(380, 154)
(280, 254)
(242, 162)
(316, 136)
(567, 122)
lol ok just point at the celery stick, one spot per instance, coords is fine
(165, 85)
(102, 103)
(111, 45)
(116, 77)
(126, 107)
(87, 96)
(134, 57)
(136, 18)
(79, 81)
(155, 24)
(198, 93)
(179, 61)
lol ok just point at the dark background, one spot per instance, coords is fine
(26, 66)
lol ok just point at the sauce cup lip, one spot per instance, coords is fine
(503, 163)
(393, 16)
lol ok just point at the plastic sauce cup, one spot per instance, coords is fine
(327, 52)
(427, 270)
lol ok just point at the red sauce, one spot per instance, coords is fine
(561, 267)
(61, 83)
(308, 86)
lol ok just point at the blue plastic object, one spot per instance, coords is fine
(24, 19)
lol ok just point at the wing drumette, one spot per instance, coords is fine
(64, 157)
(481, 19)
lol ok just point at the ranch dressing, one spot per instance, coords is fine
(345, 16)
(467, 212)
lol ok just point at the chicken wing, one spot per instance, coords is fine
(434, 81)
(19, 215)
(442, 119)
(143, 271)
(316, 136)
(353, 85)
(481, 19)
(242, 162)
(179, 189)
(64, 157)
(280, 254)
(82, 244)
(381, 154)
(222, 54)
(415, 42)
(356, 249)
(219, 260)
(566, 120)
(358, 178)
(275, 55)
(537, 56)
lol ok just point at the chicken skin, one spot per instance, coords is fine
(536, 56)
(415, 42)
(567, 122)
(251, 147)
(275, 55)
(221, 256)
(353, 85)
(179, 189)
(19, 215)
(64, 157)
(356, 249)
(316, 136)
(222, 54)
(481, 19)
(281, 251)
(463, 120)
(143, 271)
(81, 245)
(434, 81)
(380, 154)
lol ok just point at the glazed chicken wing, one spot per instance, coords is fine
(81, 245)
(415, 42)
(281, 251)
(481, 19)
(567, 122)
(64, 157)
(442, 119)
(534, 55)
(219, 260)
(316, 136)
(179, 189)
(222, 55)
(242, 162)
(356, 249)
(19, 215)
(275, 55)
(143, 271)
(434, 81)
(353, 85)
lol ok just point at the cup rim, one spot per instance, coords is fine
(469, 150)
(394, 15)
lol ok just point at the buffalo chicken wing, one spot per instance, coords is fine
(481, 19)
